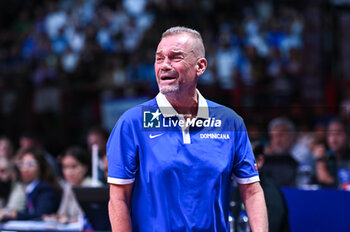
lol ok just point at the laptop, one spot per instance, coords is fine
(94, 203)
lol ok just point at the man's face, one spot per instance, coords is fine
(336, 137)
(281, 139)
(175, 63)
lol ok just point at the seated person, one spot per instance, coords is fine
(6, 148)
(75, 168)
(333, 158)
(41, 186)
(275, 202)
(282, 170)
(12, 196)
(98, 136)
(281, 158)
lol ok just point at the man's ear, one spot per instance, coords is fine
(201, 66)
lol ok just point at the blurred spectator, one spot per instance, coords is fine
(280, 164)
(46, 98)
(5, 181)
(283, 137)
(6, 148)
(333, 166)
(75, 168)
(31, 140)
(276, 205)
(105, 166)
(226, 59)
(12, 196)
(41, 187)
(275, 63)
(58, 57)
(98, 136)
(320, 132)
(275, 202)
(344, 107)
(55, 20)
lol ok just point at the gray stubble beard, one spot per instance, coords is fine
(169, 89)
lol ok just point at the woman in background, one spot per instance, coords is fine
(41, 187)
(75, 168)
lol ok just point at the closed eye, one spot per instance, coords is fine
(177, 57)
(159, 58)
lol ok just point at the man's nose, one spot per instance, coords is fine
(166, 65)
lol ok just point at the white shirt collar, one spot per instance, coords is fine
(168, 110)
(31, 186)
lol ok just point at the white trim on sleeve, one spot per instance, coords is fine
(248, 180)
(112, 180)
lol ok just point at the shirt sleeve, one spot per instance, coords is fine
(245, 170)
(122, 153)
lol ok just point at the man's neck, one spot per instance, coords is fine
(185, 103)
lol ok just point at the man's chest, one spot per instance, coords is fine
(207, 152)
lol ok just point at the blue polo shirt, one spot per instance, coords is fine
(181, 169)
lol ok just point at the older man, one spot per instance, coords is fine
(171, 159)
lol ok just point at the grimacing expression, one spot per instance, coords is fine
(177, 64)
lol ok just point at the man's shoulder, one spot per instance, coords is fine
(135, 112)
(224, 112)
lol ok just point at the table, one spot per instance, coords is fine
(318, 210)
(31, 225)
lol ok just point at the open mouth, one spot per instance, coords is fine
(165, 78)
(168, 76)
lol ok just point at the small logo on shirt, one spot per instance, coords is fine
(155, 136)
(214, 136)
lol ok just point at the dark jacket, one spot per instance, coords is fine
(42, 200)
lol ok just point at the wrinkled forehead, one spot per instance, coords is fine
(178, 43)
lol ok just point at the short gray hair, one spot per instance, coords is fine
(195, 34)
(281, 121)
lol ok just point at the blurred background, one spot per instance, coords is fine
(66, 66)
(69, 69)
